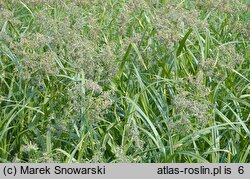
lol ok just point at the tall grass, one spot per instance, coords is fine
(124, 81)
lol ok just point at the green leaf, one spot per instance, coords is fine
(182, 42)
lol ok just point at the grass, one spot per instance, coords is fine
(124, 81)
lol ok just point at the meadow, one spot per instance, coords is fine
(139, 81)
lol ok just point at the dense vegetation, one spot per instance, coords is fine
(124, 81)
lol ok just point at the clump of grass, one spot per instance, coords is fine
(124, 81)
